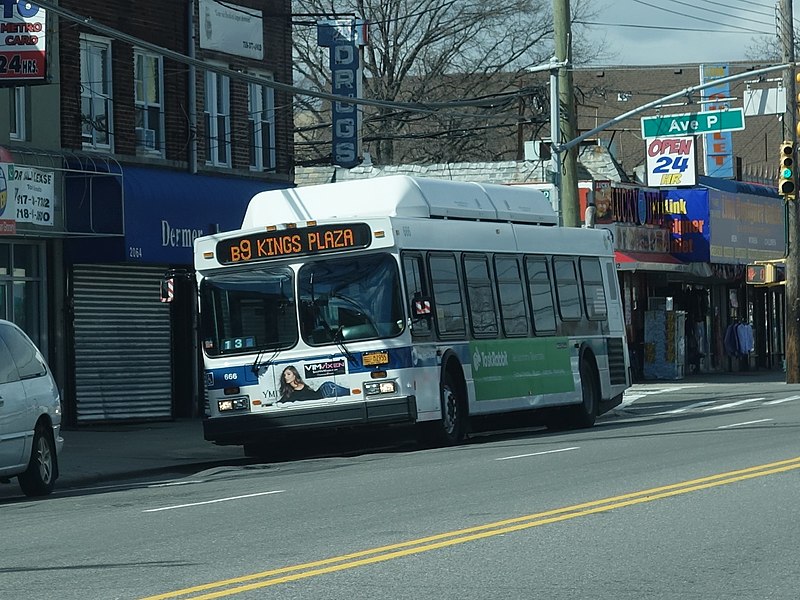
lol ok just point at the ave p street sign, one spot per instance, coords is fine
(693, 123)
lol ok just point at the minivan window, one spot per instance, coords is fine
(23, 351)
(8, 369)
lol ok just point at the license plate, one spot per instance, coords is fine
(375, 358)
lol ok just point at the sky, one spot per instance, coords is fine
(652, 32)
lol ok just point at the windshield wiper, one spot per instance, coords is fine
(257, 364)
(339, 341)
(336, 336)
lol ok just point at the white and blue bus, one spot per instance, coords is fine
(405, 300)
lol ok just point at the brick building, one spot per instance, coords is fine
(143, 151)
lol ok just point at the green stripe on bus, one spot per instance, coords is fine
(524, 367)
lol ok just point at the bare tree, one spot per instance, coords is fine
(433, 51)
(763, 48)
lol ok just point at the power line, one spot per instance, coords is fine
(674, 12)
(421, 107)
(665, 27)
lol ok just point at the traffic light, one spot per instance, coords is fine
(756, 274)
(797, 82)
(786, 170)
(765, 273)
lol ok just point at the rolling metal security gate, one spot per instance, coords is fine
(122, 343)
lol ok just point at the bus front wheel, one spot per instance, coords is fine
(451, 428)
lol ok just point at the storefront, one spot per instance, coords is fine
(134, 357)
(725, 225)
(683, 253)
(31, 236)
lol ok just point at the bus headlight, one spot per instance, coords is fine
(229, 404)
(373, 388)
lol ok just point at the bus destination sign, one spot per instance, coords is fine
(319, 239)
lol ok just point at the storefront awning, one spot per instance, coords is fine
(152, 216)
(649, 261)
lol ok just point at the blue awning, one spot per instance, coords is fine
(737, 187)
(152, 216)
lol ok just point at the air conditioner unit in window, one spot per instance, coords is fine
(146, 138)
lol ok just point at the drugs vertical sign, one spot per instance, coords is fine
(22, 42)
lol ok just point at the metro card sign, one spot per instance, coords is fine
(22, 42)
(671, 162)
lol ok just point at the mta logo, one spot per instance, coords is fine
(476, 359)
(24, 9)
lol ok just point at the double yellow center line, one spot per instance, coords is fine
(237, 585)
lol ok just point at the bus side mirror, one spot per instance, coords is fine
(421, 306)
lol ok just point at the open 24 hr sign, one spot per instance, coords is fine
(671, 161)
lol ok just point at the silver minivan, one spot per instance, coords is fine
(30, 414)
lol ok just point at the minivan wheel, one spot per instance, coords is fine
(39, 478)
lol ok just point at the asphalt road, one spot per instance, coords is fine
(684, 492)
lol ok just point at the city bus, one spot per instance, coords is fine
(404, 300)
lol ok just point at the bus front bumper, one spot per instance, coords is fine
(246, 428)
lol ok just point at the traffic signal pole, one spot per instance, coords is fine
(568, 156)
(792, 333)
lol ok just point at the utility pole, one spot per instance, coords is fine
(568, 187)
(792, 338)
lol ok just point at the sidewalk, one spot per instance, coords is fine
(752, 376)
(105, 453)
(102, 453)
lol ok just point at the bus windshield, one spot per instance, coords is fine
(353, 298)
(248, 311)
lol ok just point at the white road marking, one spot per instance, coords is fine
(632, 395)
(538, 453)
(212, 501)
(175, 483)
(745, 423)
(782, 400)
(732, 404)
(685, 408)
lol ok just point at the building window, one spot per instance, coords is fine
(96, 97)
(218, 119)
(149, 85)
(21, 286)
(261, 126)
(18, 101)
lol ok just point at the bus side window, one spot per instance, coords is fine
(482, 314)
(511, 296)
(419, 300)
(447, 300)
(567, 292)
(540, 296)
(594, 296)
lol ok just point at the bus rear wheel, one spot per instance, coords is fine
(583, 415)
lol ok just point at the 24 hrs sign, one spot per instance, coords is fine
(671, 161)
(22, 41)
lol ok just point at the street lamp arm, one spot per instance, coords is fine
(660, 101)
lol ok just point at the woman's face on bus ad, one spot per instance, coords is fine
(289, 376)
